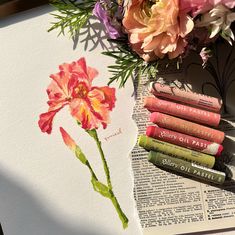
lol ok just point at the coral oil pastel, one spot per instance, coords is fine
(188, 97)
(187, 127)
(182, 111)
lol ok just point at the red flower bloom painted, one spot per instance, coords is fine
(72, 86)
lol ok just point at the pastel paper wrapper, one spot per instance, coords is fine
(184, 140)
(188, 168)
(192, 98)
(182, 111)
(177, 151)
(186, 127)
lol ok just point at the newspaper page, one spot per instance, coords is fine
(168, 203)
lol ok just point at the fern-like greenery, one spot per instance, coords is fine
(72, 15)
(128, 63)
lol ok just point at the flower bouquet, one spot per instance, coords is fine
(148, 31)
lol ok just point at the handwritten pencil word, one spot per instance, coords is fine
(118, 132)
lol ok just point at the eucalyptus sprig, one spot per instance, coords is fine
(128, 63)
(72, 15)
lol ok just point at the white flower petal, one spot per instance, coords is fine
(214, 30)
(221, 7)
(205, 21)
(231, 17)
(232, 35)
(227, 39)
(228, 32)
(219, 21)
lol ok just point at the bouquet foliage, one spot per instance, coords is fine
(147, 31)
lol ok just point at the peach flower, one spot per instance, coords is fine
(72, 86)
(157, 28)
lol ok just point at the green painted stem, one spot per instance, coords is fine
(105, 165)
(91, 170)
(104, 190)
(114, 200)
(121, 214)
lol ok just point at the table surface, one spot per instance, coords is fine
(9, 7)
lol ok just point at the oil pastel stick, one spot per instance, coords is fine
(183, 140)
(183, 111)
(177, 151)
(186, 127)
(188, 168)
(188, 97)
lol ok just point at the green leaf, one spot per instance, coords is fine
(101, 188)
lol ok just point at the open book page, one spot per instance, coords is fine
(168, 203)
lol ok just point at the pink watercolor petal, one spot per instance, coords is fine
(68, 140)
(46, 120)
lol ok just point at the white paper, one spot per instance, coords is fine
(44, 189)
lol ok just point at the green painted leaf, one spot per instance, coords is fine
(101, 188)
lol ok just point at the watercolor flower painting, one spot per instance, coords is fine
(90, 106)
(72, 86)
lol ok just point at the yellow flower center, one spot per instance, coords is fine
(80, 91)
(147, 5)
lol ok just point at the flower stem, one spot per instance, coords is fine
(112, 197)
(105, 165)
(121, 214)
(91, 170)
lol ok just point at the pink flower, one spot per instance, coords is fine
(196, 7)
(72, 86)
(156, 28)
(228, 3)
(68, 140)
